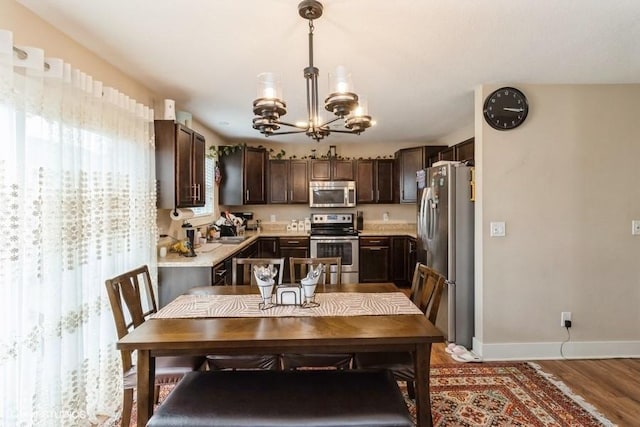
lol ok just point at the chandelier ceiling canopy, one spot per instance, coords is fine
(269, 107)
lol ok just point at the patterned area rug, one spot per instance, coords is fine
(505, 394)
(498, 394)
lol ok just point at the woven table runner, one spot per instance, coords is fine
(330, 304)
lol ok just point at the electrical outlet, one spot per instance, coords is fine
(564, 317)
(497, 229)
(635, 227)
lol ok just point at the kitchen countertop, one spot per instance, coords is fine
(213, 253)
(207, 255)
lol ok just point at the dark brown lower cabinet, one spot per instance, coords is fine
(297, 247)
(403, 260)
(411, 258)
(221, 274)
(399, 261)
(268, 247)
(374, 259)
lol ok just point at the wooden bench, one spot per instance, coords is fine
(326, 398)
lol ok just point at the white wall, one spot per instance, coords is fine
(567, 184)
(30, 30)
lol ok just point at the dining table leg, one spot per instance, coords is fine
(423, 400)
(146, 379)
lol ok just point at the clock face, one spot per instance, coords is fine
(506, 108)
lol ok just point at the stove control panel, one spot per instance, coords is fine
(342, 218)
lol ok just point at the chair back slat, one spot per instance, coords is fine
(248, 278)
(125, 297)
(426, 290)
(298, 268)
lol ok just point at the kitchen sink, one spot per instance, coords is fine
(208, 247)
(231, 240)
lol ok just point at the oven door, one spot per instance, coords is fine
(345, 247)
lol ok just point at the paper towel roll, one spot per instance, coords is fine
(180, 214)
(169, 109)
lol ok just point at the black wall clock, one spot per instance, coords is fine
(506, 108)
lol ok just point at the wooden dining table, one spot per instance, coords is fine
(276, 335)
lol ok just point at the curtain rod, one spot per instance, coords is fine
(24, 55)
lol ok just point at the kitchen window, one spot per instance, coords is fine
(207, 209)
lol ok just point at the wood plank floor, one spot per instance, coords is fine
(612, 386)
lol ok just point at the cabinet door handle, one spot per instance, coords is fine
(371, 194)
(197, 191)
(375, 249)
(290, 195)
(247, 194)
(194, 192)
(374, 241)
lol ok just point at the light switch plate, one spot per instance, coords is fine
(635, 227)
(497, 229)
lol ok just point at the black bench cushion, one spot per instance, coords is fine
(284, 399)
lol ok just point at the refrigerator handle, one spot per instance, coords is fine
(429, 216)
(422, 218)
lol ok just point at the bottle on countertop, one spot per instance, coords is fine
(359, 220)
(307, 224)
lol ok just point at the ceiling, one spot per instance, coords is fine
(416, 61)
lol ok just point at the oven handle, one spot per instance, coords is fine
(333, 239)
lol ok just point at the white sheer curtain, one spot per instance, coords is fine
(77, 206)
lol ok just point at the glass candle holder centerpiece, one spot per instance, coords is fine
(265, 278)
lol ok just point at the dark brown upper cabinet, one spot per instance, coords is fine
(375, 181)
(465, 151)
(244, 175)
(331, 170)
(447, 154)
(408, 162)
(288, 181)
(180, 157)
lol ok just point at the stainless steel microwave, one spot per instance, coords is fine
(332, 194)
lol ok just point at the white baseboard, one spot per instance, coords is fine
(551, 350)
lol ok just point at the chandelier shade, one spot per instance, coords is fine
(342, 101)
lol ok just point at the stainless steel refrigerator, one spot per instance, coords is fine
(445, 243)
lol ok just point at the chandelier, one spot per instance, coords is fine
(269, 106)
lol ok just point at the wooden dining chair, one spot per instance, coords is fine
(242, 269)
(426, 292)
(298, 268)
(127, 292)
(242, 274)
